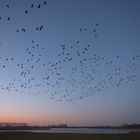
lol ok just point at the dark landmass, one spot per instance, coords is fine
(126, 126)
(22, 126)
(64, 136)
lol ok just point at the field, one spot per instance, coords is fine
(50, 136)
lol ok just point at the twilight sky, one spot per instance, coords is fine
(70, 61)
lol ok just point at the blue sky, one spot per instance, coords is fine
(101, 90)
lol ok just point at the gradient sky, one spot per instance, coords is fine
(118, 34)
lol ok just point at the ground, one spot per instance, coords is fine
(52, 136)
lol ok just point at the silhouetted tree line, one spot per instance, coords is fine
(131, 126)
(20, 126)
(24, 126)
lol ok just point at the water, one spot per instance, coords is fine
(79, 130)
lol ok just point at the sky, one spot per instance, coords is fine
(72, 62)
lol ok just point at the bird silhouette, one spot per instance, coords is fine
(39, 6)
(26, 11)
(8, 6)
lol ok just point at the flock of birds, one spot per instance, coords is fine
(27, 11)
(74, 75)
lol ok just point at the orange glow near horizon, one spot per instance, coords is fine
(31, 120)
(35, 116)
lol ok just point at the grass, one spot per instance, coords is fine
(60, 136)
